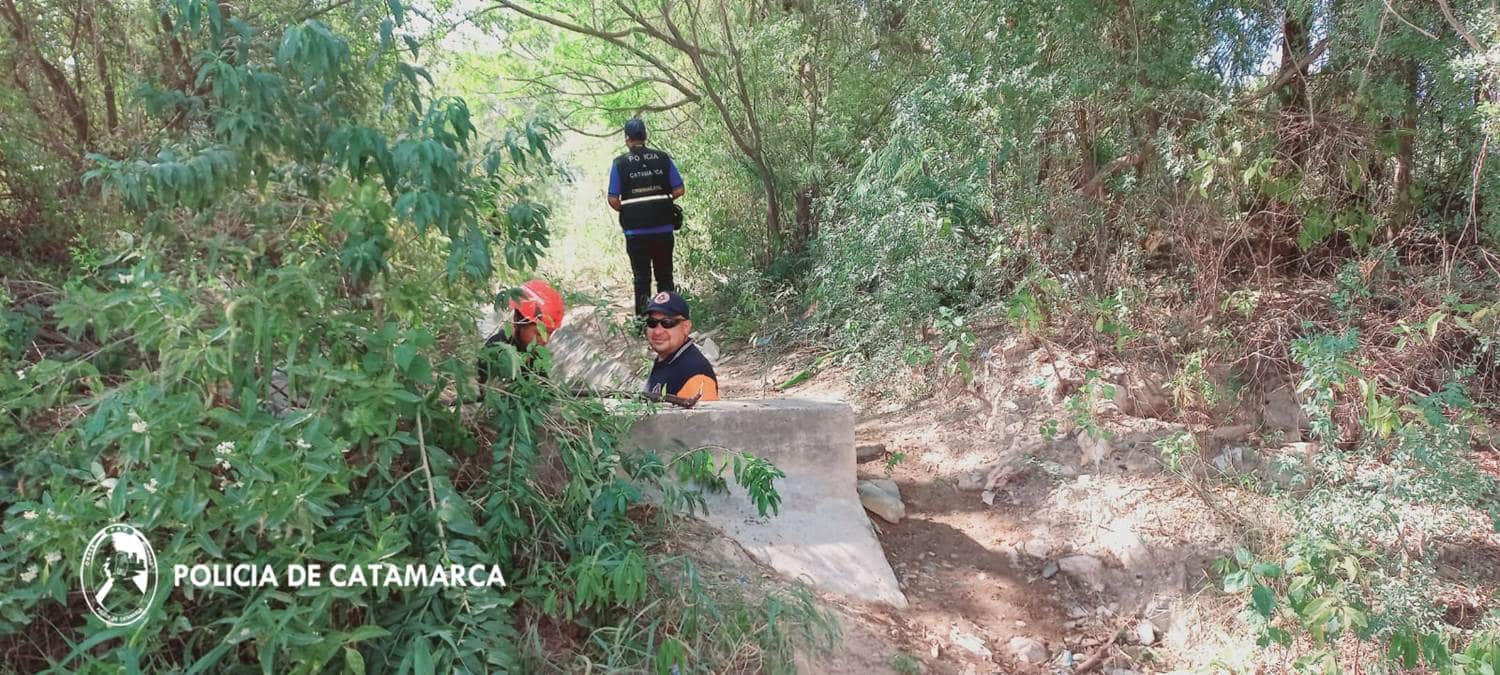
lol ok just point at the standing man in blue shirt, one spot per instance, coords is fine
(643, 182)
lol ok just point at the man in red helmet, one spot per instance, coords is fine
(536, 305)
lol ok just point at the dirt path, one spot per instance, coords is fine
(1027, 544)
(1075, 543)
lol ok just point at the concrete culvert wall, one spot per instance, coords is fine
(822, 535)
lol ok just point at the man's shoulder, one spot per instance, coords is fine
(693, 360)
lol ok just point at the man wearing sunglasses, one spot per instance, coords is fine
(680, 369)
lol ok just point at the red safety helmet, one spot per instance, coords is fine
(540, 303)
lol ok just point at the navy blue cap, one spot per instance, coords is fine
(635, 129)
(668, 303)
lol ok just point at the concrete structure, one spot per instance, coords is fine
(822, 534)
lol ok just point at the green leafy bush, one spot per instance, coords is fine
(272, 370)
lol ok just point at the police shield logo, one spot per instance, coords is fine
(118, 575)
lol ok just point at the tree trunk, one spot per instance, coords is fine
(773, 206)
(67, 96)
(1405, 146)
(807, 216)
(1292, 119)
(1088, 164)
(101, 67)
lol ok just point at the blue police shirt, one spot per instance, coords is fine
(674, 179)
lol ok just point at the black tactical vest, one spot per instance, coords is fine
(645, 188)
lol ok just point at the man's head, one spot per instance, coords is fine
(635, 131)
(525, 330)
(536, 302)
(667, 323)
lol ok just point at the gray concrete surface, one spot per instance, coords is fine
(822, 534)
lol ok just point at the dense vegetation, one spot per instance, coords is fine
(259, 350)
(202, 202)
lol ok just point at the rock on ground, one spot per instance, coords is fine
(1084, 568)
(882, 498)
(868, 452)
(969, 642)
(1028, 650)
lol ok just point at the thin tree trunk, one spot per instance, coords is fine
(1088, 164)
(101, 66)
(67, 96)
(1293, 115)
(1405, 147)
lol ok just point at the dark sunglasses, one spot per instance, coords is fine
(664, 323)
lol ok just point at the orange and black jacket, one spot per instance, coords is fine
(686, 373)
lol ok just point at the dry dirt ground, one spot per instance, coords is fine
(1028, 544)
(1017, 547)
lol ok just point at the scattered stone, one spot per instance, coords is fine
(882, 498)
(1028, 650)
(1144, 633)
(1037, 547)
(1049, 570)
(1230, 434)
(1126, 546)
(969, 642)
(1077, 612)
(868, 452)
(1282, 411)
(1015, 347)
(708, 347)
(970, 481)
(1084, 568)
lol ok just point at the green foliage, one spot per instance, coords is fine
(756, 475)
(1352, 571)
(267, 366)
(1175, 447)
(1191, 385)
(906, 664)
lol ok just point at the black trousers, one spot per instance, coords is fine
(650, 254)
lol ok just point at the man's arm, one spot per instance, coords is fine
(674, 179)
(614, 187)
(703, 386)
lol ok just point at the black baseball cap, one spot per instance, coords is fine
(668, 303)
(635, 129)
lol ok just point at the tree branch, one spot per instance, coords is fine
(1458, 27)
(1288, 74)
